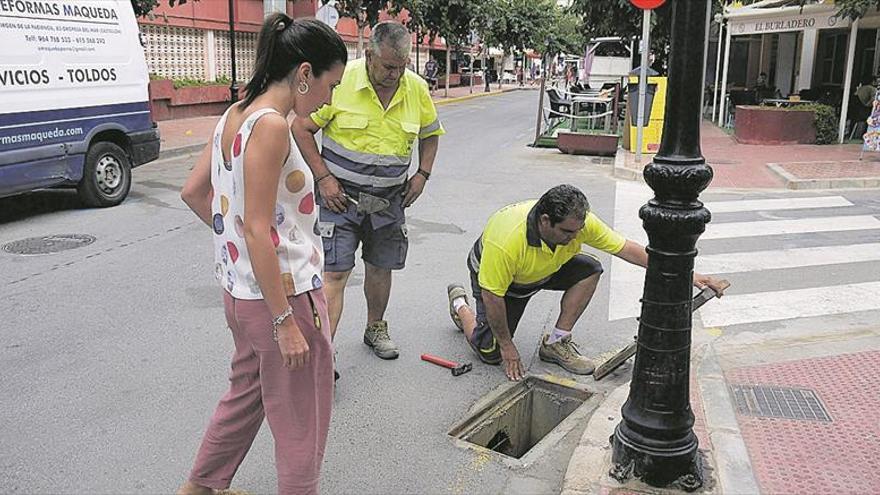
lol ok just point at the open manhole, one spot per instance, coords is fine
(517, 419)
(48, 244)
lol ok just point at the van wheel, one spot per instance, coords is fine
(106, 175)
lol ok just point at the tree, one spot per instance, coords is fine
(516, 24)
(621, 18)
(365, 13)
(144, 7)
(450, 19)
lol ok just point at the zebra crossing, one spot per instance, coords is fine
(787, 257)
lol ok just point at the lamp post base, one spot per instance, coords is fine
(679, 468)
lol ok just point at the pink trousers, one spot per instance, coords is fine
(296, 403)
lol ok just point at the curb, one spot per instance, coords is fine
(189, 149)
(587, 471)
(179, 151)
(792, 182)
(457, 99)
(621, 171)
(733, 470)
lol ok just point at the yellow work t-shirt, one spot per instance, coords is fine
(357, 121)
(513, 252)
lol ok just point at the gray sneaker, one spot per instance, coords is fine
(565, 353)
(376, 336)
(453, 292)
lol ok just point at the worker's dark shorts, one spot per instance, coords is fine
(342, 233)
(581, 267)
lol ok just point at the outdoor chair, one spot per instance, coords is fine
(558, 104)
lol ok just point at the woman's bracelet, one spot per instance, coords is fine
(278, 320)
(319, 179)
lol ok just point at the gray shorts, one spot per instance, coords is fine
(384, 246)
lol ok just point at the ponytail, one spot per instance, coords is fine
(284, 44)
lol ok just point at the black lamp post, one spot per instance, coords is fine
(655, 441)
(233, 88)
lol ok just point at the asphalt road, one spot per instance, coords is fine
(114, 354)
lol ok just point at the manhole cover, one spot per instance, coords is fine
(48, 244)
(779, 402)
(518, 419)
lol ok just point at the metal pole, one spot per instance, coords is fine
(722, 98)
(540, 104)
(471, 72)
(655, 441)
(643, 82)
(847, 82)
(705, 56)
(717, 68)
(486, 65)
(233, 88)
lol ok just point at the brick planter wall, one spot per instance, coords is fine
(770, 125)
(181, 103)
(575, 143)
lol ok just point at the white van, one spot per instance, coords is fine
(74, 109)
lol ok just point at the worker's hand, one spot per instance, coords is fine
(718, 285)
(414, 187)
(513, 367)
(332, 194)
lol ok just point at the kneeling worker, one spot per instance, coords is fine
(532, 246)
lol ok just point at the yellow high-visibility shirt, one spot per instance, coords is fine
(513, 252)
(357, 121)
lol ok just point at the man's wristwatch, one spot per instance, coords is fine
(278, 320)
(423, 173)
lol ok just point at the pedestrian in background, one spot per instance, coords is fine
(253, 188)
(379, 111)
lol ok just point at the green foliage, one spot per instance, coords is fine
(621, 18)
(365, 12)
(187, 82)
(517, 24)
(144, 7)
(451, 19)
(825, 122)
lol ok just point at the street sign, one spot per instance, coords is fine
(328, 15)
(647, 4)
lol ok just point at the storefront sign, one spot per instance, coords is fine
(794, 22)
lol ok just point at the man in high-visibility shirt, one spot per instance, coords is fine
(379, 109)
(532, 246)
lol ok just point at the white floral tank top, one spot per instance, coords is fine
(295, 234)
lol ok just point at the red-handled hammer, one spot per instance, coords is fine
(457, 369)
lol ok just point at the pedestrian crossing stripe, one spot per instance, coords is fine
(627, 280)
(777, 204)
(785, 304)
(731, 230)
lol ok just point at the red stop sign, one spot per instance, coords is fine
(647, 4)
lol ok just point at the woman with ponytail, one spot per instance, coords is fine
(252, 187)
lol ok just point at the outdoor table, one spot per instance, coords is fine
(784, 102)
(592, 100)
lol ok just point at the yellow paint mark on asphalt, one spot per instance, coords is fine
(478, 463)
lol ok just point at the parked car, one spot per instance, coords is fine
(75, 110)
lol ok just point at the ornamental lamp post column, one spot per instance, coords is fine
(655, 441)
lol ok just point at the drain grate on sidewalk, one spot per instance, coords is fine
(779, 402)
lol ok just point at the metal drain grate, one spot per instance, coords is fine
(48, 244)
(779, 402)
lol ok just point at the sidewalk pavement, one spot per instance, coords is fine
(745, 166)
(775, 413)
(186, 136)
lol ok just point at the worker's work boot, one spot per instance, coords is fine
(453, 292)
(376, 336)
(566, 354)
